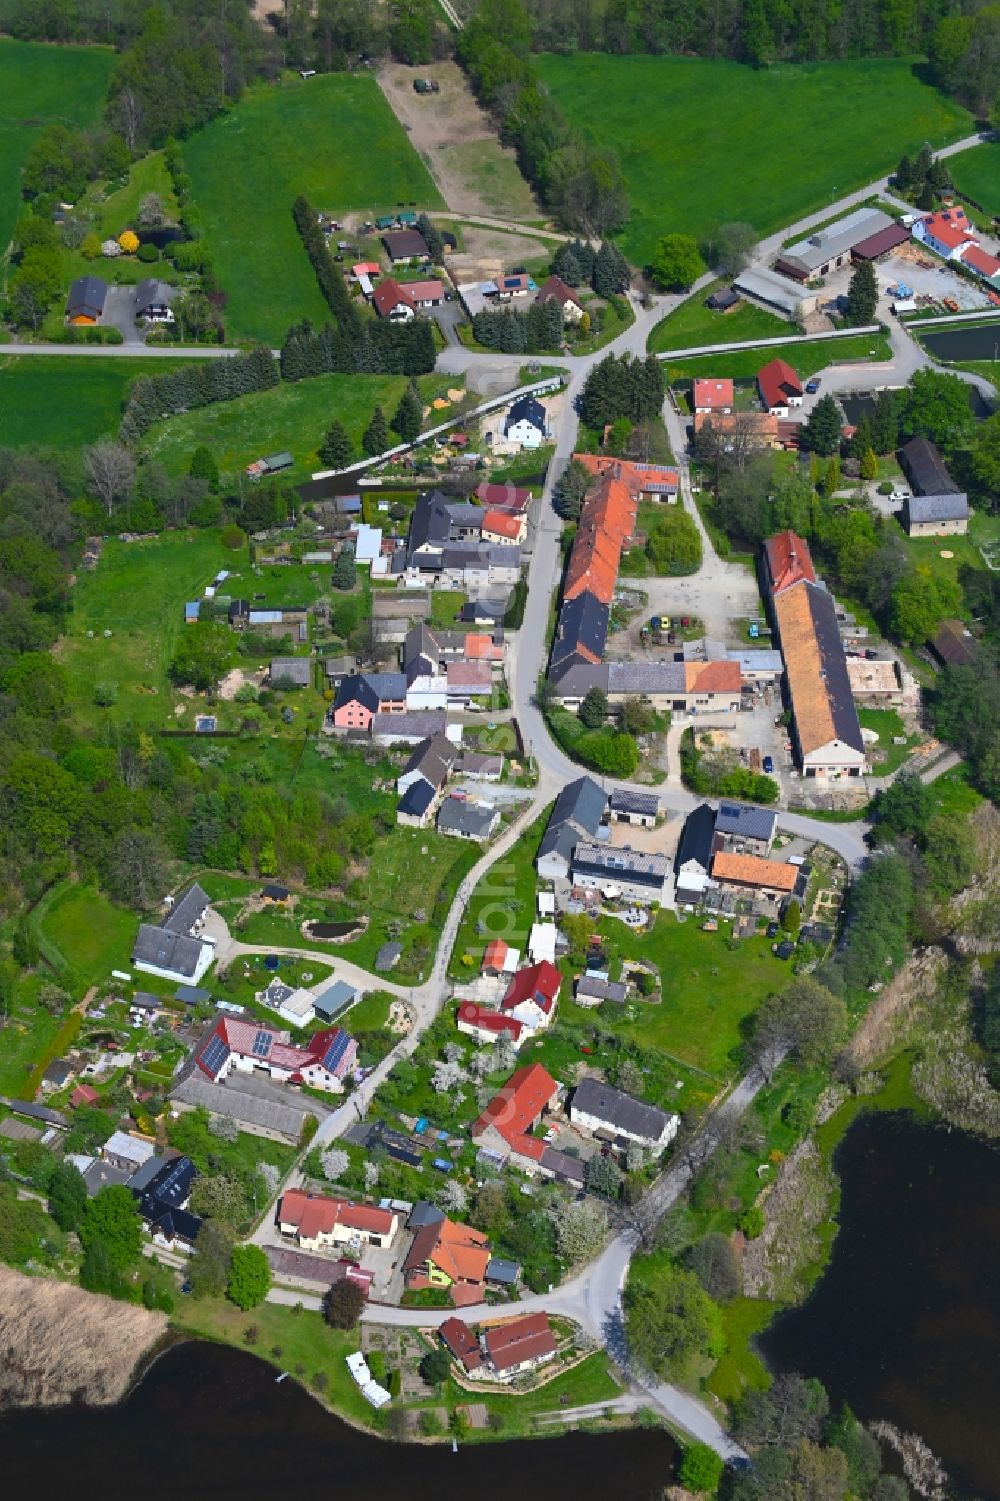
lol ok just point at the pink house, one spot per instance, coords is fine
(363, 695)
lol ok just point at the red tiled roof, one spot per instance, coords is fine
(789, 561)
(502, 497)
(517, 1340)
(712, 677)
(540, 982)
(752, 424)
(83, 1094)
(556, 288)
(715, 394)
(980, 260)
(516, 1108)
(950, 226)
(312, 1213)
(479, 647)
(506, 523)
(461, 1252)
(495, 954)
(462, 1343)
(240, 1037)
(777, 381)
(474, 675)
(635, 477)
(488, 1021)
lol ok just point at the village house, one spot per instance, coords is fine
(487, 1027)
(177, 948)
(507, 1123)
(526, 423)
(948, 232)
(409, 728)
(128, 1153)
(232, 1044)
(642, 481)
(712, 395)
(432, 762)
(826, 250)
(876, 685)
(462, 1345)
(467, 818)
(779, 387)
(598, 1108)
(503, 497)
(694, 856)
(152, 301)
(746, 829)
(982, 263)
(415, 808)
(618, 872)
(751, 429)
(444, 1254)
(294, 671)
(533, 995)
(577, 814)
(499, 958)
(556, 290)
(937, 508)
(314, 1221)
(363, 695)
(405, 245)
(504, 528)
(519, 1345)
(401, 301)
(163, 1189)
(640, 809)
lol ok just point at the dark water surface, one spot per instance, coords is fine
(958, 343)
(211, 1422)
(905, 1323)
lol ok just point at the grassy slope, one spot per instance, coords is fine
(294, 415)
(977, 172)
(39, 86)
(66, 401)
(90, 933)
(136, 592)
(694, 324)
(806, 358)
(334, 139)
(704, 142)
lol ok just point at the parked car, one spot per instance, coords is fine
(812, 386)
(768, 764)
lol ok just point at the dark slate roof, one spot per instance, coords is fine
(647, 677)
(574, 677)
(583, 622)
(484, 609)
(152, 293)
(423, 1214)
(608, 861)
(87, 294)
(38, 1112)
(577, 813)
(745, 821)
(403, 244)
(171, 951)
(192, 995)
(955, 644)
(696, 840)
(417, 799)
(429, 523)
(953, 506)
(277, 893)
(171, 1186)
(618, 1109)
(624, 801)
(498, 1269)
(605, 990)
(145, 1173)
(388, 955)
(838, 684)
(390, 686)
(297, 670)
(173, 1222)
(423, 722)
(527, 409)
(357, 689)
(465, 817)
(563, 1165)
(433, 759)
(925, 468)
(187, 909)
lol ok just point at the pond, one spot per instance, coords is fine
(905, 1323)
(957, 344)
(209, 1421)
(332, 929)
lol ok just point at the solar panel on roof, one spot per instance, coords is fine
(335, 1052)
(214, 1054)
(262, 1044)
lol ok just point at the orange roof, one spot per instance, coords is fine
(789, 561)
(504, 523)
(814, 724)
(752, 870)
(635, 477)
(482, 648)
(461, 1252)
(712, 677)
(496, 953)
(314, 1213)
(517, 1107)
(367, 268)
(754, 424)
(712, 393)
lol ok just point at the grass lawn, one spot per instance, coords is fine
(137, 593)
(26, 1036)
(688, 134)
(590, 1381)
(977, 172)
(334, 139)
(119, 210)
(41, 86)
(708, 988)
(502, 905)
(694, 324)
(953, 795)
(807, 358)
(964, 551)
(741, 1367)
(445, 605)
(887, 724)
(293, 415)
(494, 176)
(66, 401)
(82, 927)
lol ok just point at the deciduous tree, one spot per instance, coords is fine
(249, 1277)
(677, 262)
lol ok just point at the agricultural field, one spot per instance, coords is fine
(65, 401)
(293, 415)
(41, 86)
(333, 138)
(693, 324)
(686, 169)
(977, 172)
(807, 358)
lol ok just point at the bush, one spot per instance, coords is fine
(233, 537)
(147, 254)
(700, 1469)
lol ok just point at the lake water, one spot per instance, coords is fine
(957, 344)
(211, 1422)
(905, 1323)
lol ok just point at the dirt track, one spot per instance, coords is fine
(457, 142)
